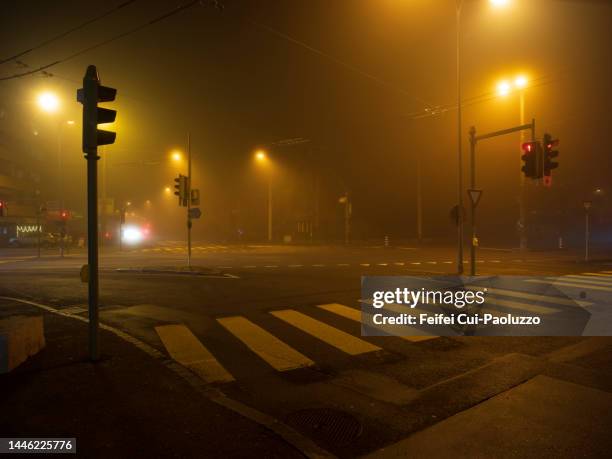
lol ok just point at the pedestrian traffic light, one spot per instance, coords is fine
(530, 159)
(90, 95)
(549, 154)
(180, 189)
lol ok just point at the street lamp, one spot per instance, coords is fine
(459, 5)
(176, 156)
(503, 89)
(262, 158)
(48, 102)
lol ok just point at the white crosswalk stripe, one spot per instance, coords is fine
(574, 283)
(355, 315)
(279, 355)
(326, 333)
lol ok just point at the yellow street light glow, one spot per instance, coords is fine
(176, 156)
(167, 189)
(503, 88)
(520, 81)
(260, 155)
(48, 102)
(70, 122)
(497, 3)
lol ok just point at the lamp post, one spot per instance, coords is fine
(503, 89)
(262, 158)
(458, 11)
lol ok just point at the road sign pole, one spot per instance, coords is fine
(188, 193)
(473, 203)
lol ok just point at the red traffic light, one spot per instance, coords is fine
(64, 214)
(528, 147)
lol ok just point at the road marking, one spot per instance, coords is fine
(250, 266)
(271, 266)
(337, 338)
(187, 350)
(343, 264)
(355, 315)
(598, 274)
(520, 306)
(415, 263)
(365, 264)
(495, 261)
(295, 266)
(225, 267)
(432, 262)
(382, 264)
(318, 265)
(399, 263)
(586, 279)
(568, 284)
(447, 262)
(279, 355)
(531, 296)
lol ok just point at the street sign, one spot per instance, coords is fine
(195, 212)
(587, 205)
(195, 197)
(474, 196)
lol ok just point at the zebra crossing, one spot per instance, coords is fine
(259, 340)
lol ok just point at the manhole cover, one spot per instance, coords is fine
(331, 426)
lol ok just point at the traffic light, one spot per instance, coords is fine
(90, 95)
(180, 187)
(549, 154)
(530, 159)
(64, 214)
(2, 211)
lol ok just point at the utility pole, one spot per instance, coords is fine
(459, 145)
(419, 201)
(188, 192)
(269, 207)
(587, 206)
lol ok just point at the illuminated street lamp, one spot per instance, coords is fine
(503, 88)
(48, 102)
(260, 155)
(262, 158)
(499, 2)
(167, 190)
(176, 156)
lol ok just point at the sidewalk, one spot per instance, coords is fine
(127, 405)
(543, 417)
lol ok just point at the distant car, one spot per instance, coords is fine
(31, 240)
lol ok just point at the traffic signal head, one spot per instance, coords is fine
(549, 154)
(89, 95)
(2, 209)
(64, 214)
(180, 189)
(530, 159)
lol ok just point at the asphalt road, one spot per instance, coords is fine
(275, 328)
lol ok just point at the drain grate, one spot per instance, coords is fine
(330, 426)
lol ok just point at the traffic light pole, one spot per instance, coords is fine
(90, 95)
(474, 139)
(188, 192)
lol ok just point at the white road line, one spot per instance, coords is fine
(568, 284)
(343, 264)
(186, 349)
(271, 266)
(318, 265)
(295, 266)
(279, 355)
(399, 263)
(531, 296)
(415, 263)
(382, 264)
(326, 333)
(364, 264)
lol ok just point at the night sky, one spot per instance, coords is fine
(352, 77)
